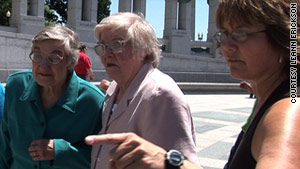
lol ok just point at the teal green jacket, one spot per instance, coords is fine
(76, 114)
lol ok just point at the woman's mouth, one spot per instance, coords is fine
(44, 74)
(110, 65)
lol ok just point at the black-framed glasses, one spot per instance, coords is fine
(115, 46)
(240, 36)
(51, 58)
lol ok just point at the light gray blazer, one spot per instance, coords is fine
(154, 108)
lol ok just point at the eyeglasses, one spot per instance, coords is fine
(237, 36)
(114, 46)
(52, 58)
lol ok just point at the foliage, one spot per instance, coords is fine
(60, 8)
(4, 7)
(103, 9)
(55, 11)
(50, 16)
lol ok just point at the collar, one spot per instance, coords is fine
(135, 84)
(67, 100)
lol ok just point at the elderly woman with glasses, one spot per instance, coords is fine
(260, 41)
(141, 99)
(48, 110)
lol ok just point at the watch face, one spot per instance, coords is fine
(175, 158)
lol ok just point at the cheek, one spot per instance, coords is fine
(261, 59)
(35, 67)
(60, 73)
(102, 59)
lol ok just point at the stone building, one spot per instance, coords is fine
(182, 63)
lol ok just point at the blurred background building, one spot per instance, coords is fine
(184, 59)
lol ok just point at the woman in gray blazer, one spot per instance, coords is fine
(141, 99)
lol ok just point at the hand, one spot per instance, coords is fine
(104, 85)
(131, 151)
(42, 149)
(92, 77)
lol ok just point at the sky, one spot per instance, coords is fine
(155, 15)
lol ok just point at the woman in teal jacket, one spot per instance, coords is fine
(2, 92)
(48, 110)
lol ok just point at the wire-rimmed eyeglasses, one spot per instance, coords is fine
(51, 58)
(115, 46)
(240, 36)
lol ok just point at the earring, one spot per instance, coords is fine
(280, 59)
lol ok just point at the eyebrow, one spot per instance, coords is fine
(56, 51)
(114, 39)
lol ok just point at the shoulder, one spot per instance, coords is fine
(90, 89)
(279, 128)
(163, 83)
(83, 55)
(283, 112)
(160, 89)
(284, 109)
(18, 79)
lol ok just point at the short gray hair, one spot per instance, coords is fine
(140, 34)
(68, 37)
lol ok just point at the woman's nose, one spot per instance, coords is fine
(228, 45)
(108, 52)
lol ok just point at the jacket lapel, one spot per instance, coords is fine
(128, 96)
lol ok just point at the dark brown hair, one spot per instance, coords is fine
(273, 14)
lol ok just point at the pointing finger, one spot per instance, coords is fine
(116, 138)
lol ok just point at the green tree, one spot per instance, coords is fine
(50, 17)
(55, 11)
(60, 8)
(103, 9)
(4, 7)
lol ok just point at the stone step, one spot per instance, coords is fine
(202, 77)
(192, 87)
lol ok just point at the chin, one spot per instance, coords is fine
(238, 75)
(43, 81)
(43, 84)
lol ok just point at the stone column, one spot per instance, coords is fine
(139, 6)
(125, 6)
(177, 31)
(82, 18)
(170, 14)
(193, 16)
(30, 23)
(36, 8)
(185, 16)
(86, 10)
(212, 29)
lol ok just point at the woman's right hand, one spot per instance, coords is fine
(131, 151)
(42, 149)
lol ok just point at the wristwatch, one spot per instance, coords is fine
(174, 159)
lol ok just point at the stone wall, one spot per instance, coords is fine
(15, 49)
(178, 59)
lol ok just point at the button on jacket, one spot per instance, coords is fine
(76, 114)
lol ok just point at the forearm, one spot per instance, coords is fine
(71, 156)
(90, 71)
(189, 165)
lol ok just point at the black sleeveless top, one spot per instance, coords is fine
(241, 155)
